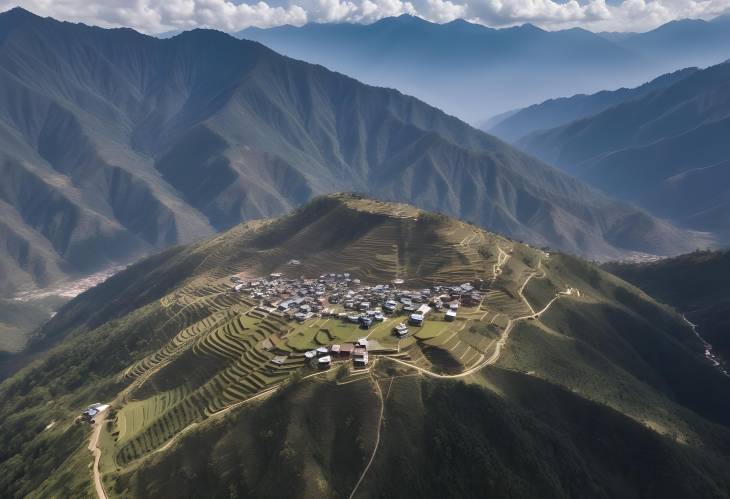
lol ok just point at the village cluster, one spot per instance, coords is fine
(343, 297)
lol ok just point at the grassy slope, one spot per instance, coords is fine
(116, 334)
(695, 284)
(19, 319)
(525, 438)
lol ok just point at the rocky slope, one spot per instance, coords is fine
(114, 144)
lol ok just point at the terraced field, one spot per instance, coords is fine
(222, 353)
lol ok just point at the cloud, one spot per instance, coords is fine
(154, 16)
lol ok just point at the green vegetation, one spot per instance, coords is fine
(200, 403)
(696, 284)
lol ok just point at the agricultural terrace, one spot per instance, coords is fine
(240, 337)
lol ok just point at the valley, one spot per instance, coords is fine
(229, 273)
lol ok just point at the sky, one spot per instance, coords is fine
(158, 16)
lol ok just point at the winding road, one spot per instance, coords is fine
(96, 451)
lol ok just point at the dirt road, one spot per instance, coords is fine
(94, 448)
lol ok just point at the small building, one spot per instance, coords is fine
(347, 349)
(322, 351)
(360, 357)
(324, 362)
(415, 319)
(362, 343)
(450, 315)
(389, 306)
(335, 349)
(93, 410)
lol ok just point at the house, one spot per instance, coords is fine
(415, 319)
(360, 357)
(93, 410)
(301, 316)
(450, 315)
(324, 362)
(322, 351)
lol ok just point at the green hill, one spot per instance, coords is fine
(560, 380)
(696, 284)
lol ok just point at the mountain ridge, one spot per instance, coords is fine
(142, 143)
(652, 149)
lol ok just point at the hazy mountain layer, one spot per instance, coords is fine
(563, 380)
(557, 112)
(687, 42)
(474, 71)
(115, 143)
(666, 151)
(468, 70)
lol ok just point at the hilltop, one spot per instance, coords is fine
(205, 364)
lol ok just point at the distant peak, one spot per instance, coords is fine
(19, 13)
(403, 19)
(530, 27)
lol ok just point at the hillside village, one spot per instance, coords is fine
(343, 298)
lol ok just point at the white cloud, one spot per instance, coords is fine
(232, 15)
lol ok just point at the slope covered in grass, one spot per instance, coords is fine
(696, 284)
(552, 346)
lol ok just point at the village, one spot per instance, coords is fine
(361, 308)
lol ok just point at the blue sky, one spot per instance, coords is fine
(156, 16)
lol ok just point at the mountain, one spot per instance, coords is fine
(696, 284)
(468, 70)
(558, 379)
(116, 144)
(652, 151)
(553, 113)
(686, 42)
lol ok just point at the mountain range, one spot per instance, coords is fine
(665, 151)
(473, 71)
(116, 144)
(517, 124)
(559, 380)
